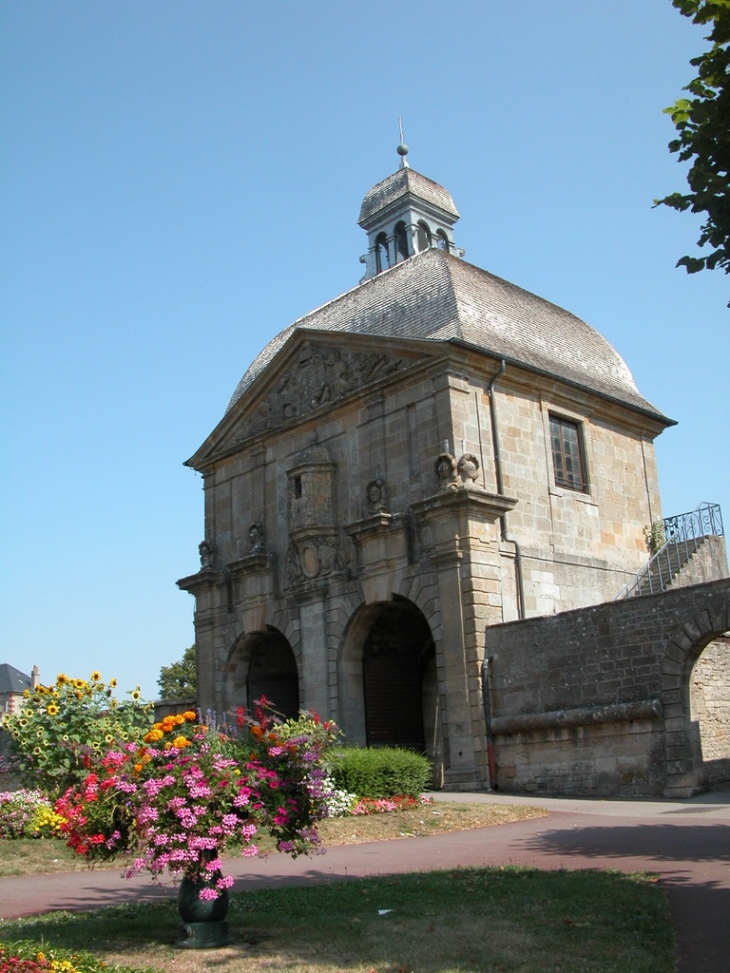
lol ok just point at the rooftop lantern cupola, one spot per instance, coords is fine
(405, 214)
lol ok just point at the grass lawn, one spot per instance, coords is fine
(459, 921)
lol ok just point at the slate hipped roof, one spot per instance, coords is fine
(434, 295)
(12, 680)
(402, 183)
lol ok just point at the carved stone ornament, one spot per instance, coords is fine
(377, 500)
(256, 538)
(445, 469)
(207, 554)
(317, 557)
(468, 470)
(319, 377)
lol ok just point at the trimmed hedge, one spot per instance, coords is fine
(379, 771)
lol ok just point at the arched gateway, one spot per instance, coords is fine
(387, 678)
(262, 664)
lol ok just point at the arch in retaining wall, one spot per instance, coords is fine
(682, 747)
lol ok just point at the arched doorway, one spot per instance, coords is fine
(709, 699)
(682, 668)
(388, 683)
(263, 664)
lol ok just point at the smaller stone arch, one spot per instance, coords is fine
(262, 663)
(683, 750)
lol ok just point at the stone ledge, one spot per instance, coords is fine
(645, 709)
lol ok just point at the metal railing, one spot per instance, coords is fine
(682, 536)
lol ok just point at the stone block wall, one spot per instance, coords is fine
(596, 701)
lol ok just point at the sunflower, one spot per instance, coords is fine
(79, 683)
(52, 709)
(135, 694)
(61, 679)
(109, 738)
(95, 676)
(112, 683)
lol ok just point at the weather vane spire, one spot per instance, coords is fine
(402, 149)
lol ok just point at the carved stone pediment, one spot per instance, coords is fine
(317, 377)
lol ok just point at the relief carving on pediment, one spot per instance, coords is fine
(317, 557)
(319, 377)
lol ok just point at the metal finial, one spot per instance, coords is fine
(402, 149)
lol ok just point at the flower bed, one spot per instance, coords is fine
(27, 814)
(28, 958)
(370, 805)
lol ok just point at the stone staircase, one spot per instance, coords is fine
(694, 551)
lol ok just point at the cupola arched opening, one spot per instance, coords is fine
(423, 235)
(382, 260)
(442, 241)
(401, 242)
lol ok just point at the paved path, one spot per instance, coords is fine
(687, 843)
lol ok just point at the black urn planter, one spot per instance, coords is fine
(203, 923)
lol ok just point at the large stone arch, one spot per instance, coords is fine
(387, 677)
(262, 663)
(683, 750)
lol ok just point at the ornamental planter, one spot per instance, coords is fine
(203, 923)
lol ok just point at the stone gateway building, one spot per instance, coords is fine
(432, 454)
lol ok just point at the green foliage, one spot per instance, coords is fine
(179, 680)
(703, 125)
(62, 728)
(655, 536)
(379, 772)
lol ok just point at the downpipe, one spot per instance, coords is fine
(500, 489)
(487, 703)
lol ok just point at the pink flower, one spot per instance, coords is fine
(208, 895)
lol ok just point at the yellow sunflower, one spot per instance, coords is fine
(95, 676)
(61, 679)
(52, 709)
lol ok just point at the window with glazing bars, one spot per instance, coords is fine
(567, 454)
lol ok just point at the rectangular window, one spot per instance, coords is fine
(567, 454)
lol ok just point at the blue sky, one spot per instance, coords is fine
(181, 180)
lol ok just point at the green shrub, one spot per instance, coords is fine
(379, 771)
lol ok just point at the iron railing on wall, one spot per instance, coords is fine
(682, 536)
